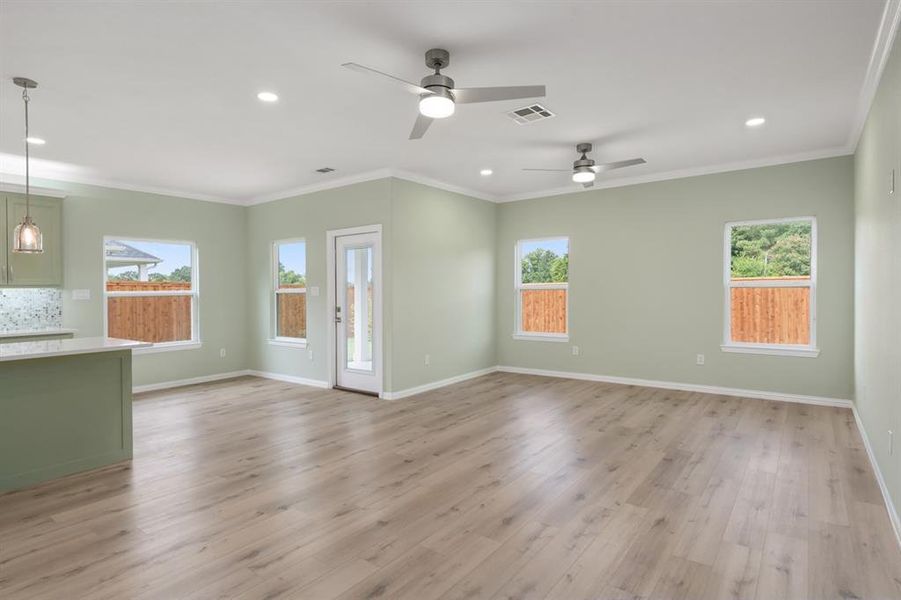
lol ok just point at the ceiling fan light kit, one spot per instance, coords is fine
(438, 95)
(583, 175)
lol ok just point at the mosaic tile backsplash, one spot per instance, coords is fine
(30, 308)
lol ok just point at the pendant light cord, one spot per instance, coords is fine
(25, 98)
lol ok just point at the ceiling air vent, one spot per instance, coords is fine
(325, 170)
(530, 114)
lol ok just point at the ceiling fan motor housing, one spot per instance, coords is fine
(583, 162)
(440, 85)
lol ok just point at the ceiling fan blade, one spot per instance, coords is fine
(492, 94)
(410, 87)
(551, 170)
(420, 126)
(618, 165)
(588, 184)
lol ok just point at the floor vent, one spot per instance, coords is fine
(530, 114)
(325, 170)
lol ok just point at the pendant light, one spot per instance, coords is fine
(27, 236)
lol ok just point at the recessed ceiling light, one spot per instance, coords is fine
(35, 140)
(268, 96)
(755, 122)
(486, 172)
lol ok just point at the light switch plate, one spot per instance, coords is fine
(314, 291)
(81, 294)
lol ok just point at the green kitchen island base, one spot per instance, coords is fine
(63, 414)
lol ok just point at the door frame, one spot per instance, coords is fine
(378, 306)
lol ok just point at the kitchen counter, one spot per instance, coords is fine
(48, 348)
(38, 333)
(65, 407)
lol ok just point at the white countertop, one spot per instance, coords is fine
(37, 332)
(47, 348)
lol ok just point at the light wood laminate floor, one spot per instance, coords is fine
(506, 486)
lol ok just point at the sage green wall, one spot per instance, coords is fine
(878, 279)
(310, 216)
(91, 212)
(444, 296)
(438, 257)
(646, 277)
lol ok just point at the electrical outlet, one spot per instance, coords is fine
(891, 442)
(81, 294)
(700, 360)
(576, 351)
(428, 360)
(314, 291)
(221, 352)
(310, 354)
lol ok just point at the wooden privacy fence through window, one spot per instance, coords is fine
(544, 311)
(770, 315)
(292, 312)
(149, 318)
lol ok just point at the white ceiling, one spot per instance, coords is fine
(162, 96)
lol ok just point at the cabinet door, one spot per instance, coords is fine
(35, 269)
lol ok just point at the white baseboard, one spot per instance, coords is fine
(165, 385)
(436, 384)
(289, 378)
(686, 387)
(886, 496)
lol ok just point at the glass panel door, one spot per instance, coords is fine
(358, 312)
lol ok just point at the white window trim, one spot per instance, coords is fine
(519, 286)
(809, 350)
(275, 339)
(195, 341)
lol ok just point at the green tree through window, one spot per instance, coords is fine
(771, 250)
(545, 266)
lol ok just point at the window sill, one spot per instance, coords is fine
(288, 342)
(537, 337)
(771, 350)
(170, 347)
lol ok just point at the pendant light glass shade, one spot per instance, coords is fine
(27, 238)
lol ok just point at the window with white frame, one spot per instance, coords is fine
(151, 291)
(290, 286)
(770, 283)
(542, 288)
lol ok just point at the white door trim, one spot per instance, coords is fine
(331, 342)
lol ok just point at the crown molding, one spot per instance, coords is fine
(15, 182)
(684, 173)
(318, 187)
(441, 185)
(882, 49)
(19, 188)
(370, 176)
(19, 179)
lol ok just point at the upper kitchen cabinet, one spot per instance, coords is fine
(22, 270)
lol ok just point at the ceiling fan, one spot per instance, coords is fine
(584, 170)
(438, 96)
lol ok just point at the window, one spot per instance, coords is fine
(542, 289)
(290, 284)
(770, 283)
(151, 291)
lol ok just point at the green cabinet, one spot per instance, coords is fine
(24, 270)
